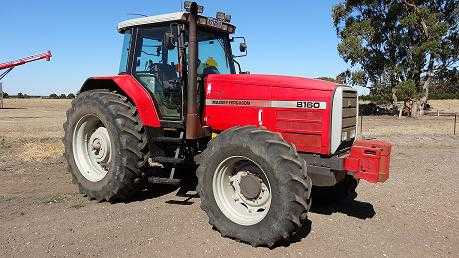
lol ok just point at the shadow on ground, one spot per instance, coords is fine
(356, 209)
(151, 192)
(186, 195)
(302, 233)
(12, 108)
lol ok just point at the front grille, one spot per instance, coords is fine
(349, 119)
(349, 110)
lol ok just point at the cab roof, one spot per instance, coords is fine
(175, 17)
(168, 17)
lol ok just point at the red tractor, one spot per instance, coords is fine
(258, 143)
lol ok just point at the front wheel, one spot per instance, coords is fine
(105, 145)
(253, 186)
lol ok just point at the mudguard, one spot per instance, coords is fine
(131, 89)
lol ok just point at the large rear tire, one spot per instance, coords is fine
(253, 186)
(105, 145)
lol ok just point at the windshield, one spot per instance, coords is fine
(214, 54)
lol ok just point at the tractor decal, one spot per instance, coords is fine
(303, 104)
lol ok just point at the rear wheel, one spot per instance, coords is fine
(105, 145)
(253, 186)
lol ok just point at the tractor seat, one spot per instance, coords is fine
(166, 73)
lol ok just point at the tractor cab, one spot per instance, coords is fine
(158, 50)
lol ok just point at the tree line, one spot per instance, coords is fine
(402, 50)
(21, 95)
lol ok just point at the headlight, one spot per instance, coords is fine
(352, 134)
(343, 136)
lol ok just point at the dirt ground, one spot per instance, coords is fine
(415, 213)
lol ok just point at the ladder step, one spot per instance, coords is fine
(173, 125)
(168, 160)
(164, 180)
(167, 139)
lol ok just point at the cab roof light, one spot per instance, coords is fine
(228, 18)
(223, 17)
(220, 16)
(202, 20)
(187, 7)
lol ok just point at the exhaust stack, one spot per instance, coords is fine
(193, 121)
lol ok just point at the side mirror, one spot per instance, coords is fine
(242, 46)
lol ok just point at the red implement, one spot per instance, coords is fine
(369, 160)
(25, 60)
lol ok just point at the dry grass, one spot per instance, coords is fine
(447, 105)
(32, 118)
(387, 126)
(40, 151)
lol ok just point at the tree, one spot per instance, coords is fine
(5, 95)
(63, 96)
(398, 47)
(20, 95)
(446, 85)
(71, 96)
(53, 96)
(324, 78)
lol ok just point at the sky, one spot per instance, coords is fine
(297, 38)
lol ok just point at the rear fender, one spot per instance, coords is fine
(132, 89)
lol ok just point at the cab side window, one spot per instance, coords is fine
(156, 69)
(125, 51)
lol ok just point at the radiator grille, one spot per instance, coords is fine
(349, 119)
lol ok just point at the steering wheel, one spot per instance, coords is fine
(151, 67)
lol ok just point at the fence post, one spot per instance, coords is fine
(455, 119)
(1, 95)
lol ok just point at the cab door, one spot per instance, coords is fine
(156, 68)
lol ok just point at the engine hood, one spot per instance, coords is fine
(280, 81)
(298, 108)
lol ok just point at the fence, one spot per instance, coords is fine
(438, 114)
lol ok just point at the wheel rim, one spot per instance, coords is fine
(92, 148)
(237, 193)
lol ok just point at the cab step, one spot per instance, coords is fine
(164, 181)
(164, 139)
(168, 160)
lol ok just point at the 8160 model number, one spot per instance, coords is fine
(307, 104)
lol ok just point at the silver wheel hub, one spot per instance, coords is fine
(91, 148)
(254, 201)
(99, 144)
(241, 190)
